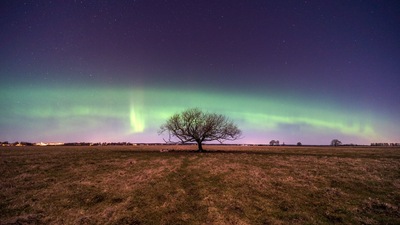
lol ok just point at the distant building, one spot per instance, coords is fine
(40, 144)
(49, 144)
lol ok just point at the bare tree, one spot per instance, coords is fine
(194, 125)
(274, 143)
(335, 142)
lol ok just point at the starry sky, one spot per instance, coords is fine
(294, 71)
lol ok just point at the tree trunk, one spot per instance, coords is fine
(200, 146)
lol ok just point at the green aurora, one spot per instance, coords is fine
(135, 114)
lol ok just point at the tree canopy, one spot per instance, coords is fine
(336, 142)
(195, 126)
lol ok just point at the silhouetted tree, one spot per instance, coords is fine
(299, 143)
(274, 143)
(335, 142)
(194, 125)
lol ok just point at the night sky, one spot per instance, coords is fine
(95, 71)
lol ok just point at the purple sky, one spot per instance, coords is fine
(340, 56)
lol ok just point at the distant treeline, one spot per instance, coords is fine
(97, 143)
(385, 144)
(6, 143)
(23, 143)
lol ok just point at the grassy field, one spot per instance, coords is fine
(228, 185)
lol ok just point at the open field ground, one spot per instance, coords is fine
(229, 185)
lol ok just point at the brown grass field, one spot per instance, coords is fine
(227, 185)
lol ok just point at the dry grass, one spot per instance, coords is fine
(227, 185)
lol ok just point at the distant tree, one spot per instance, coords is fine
(194, 125)
(299, 143)
(336, 142)
(274, 142)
